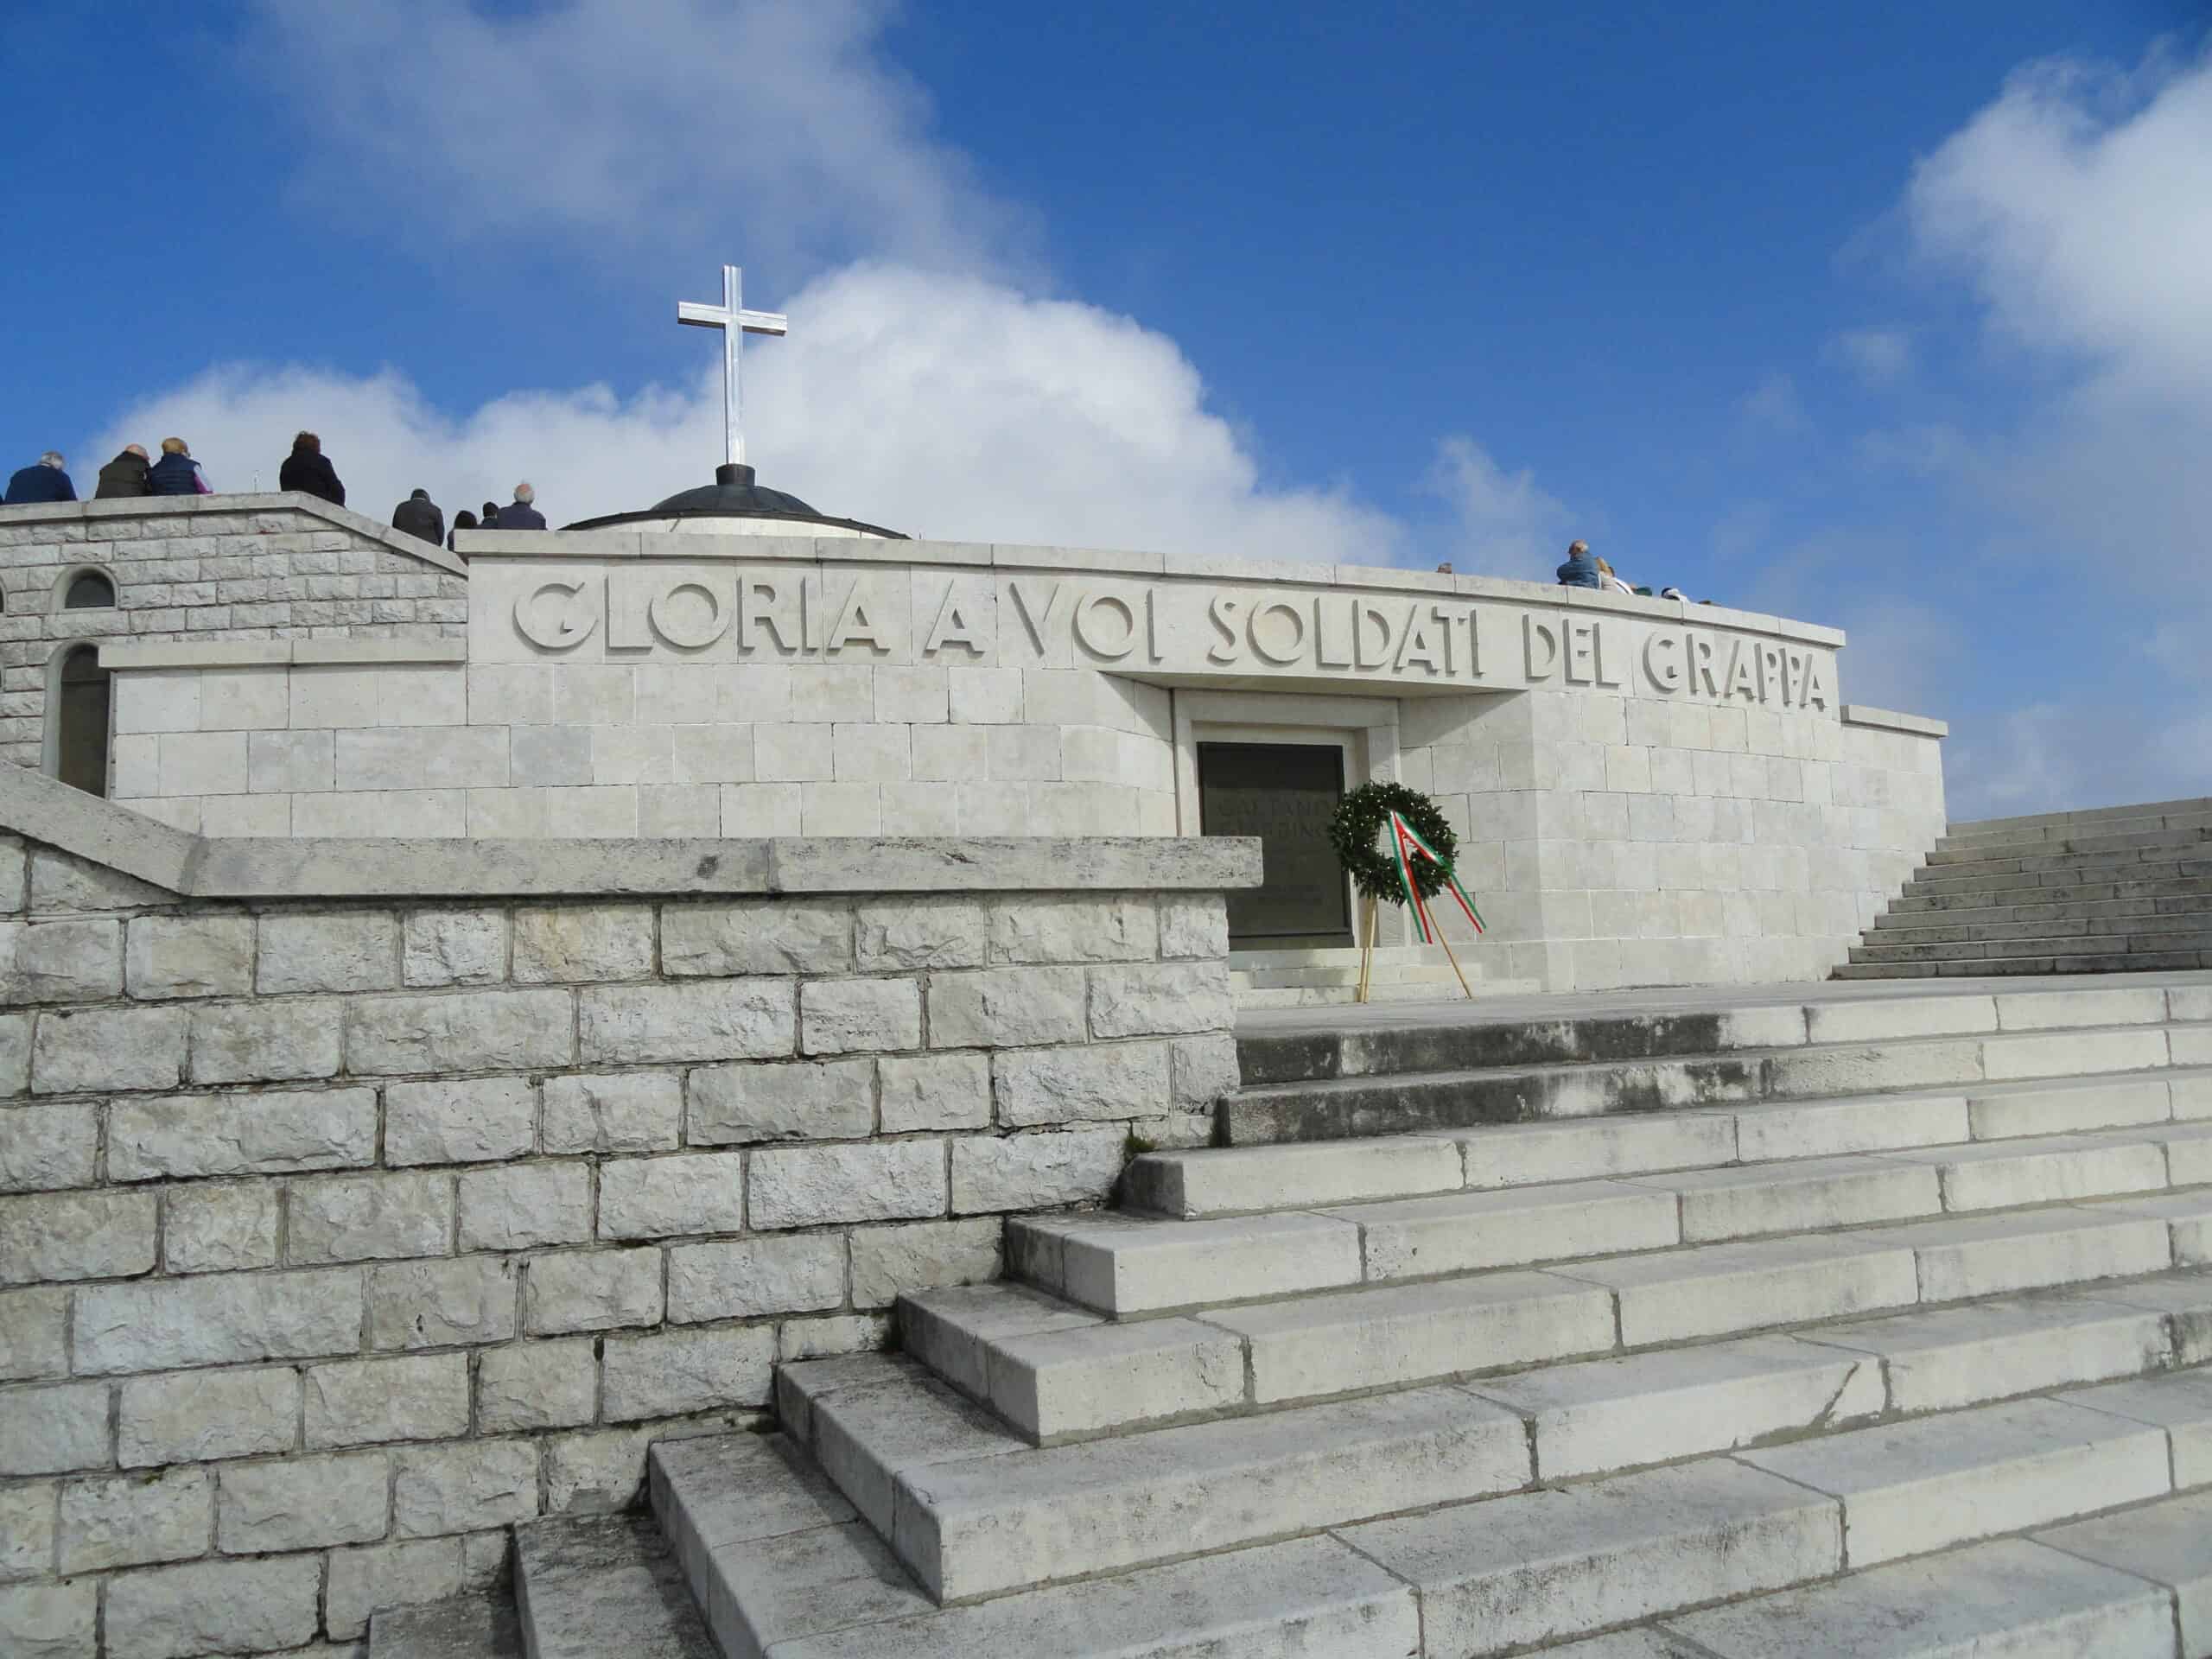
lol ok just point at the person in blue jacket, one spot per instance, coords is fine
(42, 481)
(1580, 570)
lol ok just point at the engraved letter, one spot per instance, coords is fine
(1662, 661)
(1540, 642)
(1104, 643)
(682, 624)
(569, 627)
(1222, 612)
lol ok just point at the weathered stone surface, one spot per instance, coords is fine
(843, 1016)
(463, 1488)
(356, 950)
(363, 1218)
(1006, 1007)
(107, 1048)
(1062, 1085)
(15, 1054)
(1111, 927)
(434, 1304)
(838, 1334)
(677, 1371)
(520, 1205)
(805, 1187)
(42, 1148)
(368, 1579)
(466, 1031)
(242, 1134)
(167, 1612)
(658, 1197)
(135, 1520)
(582, 942)
(365, 1402)
(51, 1621)
(802, 1101)
(1204, 1069)
(189, 956)
(299, 1502)
(220, 1227)
(531, 1385)
(84, 1234)
(888, 1262)
(54, 1430)
(2168, 1543)
(635, 1111)
(249, 1042)
(933, 1091)
(27, 1531)
(462, 1121)
(895, 933)
(194, 1416)
(757, 936)
(60, 961)
(33, 1333)
(1193, 924)
(1166, 997)
(743, 1278)
(453, 947)
(592, 1290)
(598, 1471)
(720, 1020)
(1031, 1172)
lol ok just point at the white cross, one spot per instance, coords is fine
(735, 322)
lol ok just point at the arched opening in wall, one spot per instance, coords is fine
(80, 721)
(88, 590)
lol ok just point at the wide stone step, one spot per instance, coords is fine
(2026, 969)
(780, 1562)
(2112, 918)
(2100, 841)
(2160, 890)
(466, 1627)
(2016, 822)
(2183, 934)
(2113, 821)
(599, 1584)
(2059, 877)
(2168, 1544)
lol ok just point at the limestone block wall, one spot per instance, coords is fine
(206, 568)
(346, 1225)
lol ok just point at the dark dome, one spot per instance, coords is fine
(735, 495)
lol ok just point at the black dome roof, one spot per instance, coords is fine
(733, 494)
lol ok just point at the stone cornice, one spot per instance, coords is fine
(163, 506)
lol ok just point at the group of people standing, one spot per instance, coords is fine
(306, 469)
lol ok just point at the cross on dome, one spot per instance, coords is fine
(735, 322)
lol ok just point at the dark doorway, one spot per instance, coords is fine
(1285, 793)
(81, 722)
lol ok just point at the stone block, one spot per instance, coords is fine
(1718, 1289)
(1168, 997)
(842, 1016)
(15, 1054)
(2180, 1403)
(889, 1262)
(673, 1372)
(463, 1488)
(582, 942)
(521, 1206)
(532, 1385)
(373, 1577)
(468, 1031)
(81, 1234)
(747, 1278)
(2168, 1543)
(723, 1019)
(255, 1042)
(353, 950)
(905, 933)
(364, 1218)
(273, 1132)
(598, 1471)
(366, 1402)
(290, 762)
(933, 1091)
(802, 1100)
(34, 1334)
(302, 1503)
(592, 1290)
(42, 1148)
(58, 882)
(57, 1430)
(51, 1621)
(1112, 927)
(1202, 1070)
(462, 1121)
(107, 1048)
(2067, 1053)
(453, 947)
(1193, 924)
(1062, 1085)
(638, 1111)
(1007, 1007)
(805, 1187)
(202, 763)
(220, 1227)
(1941, 1358)
(27, 1533)
(757, 936)
(135, 1520)
(253, 1606)
(1037, 1171)
(439, 1304)
(658, 1197)
(179, 955)
(197, 1416)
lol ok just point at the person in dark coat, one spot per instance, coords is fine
(126, 474)
(462, 520)
(491, 518)
(42, 481)
(308, 469)
(519, 514)
(419, 517)
(176, 473)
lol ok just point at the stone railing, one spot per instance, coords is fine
(367, 1199)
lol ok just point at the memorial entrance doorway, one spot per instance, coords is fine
(1284, 793)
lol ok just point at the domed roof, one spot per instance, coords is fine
(733, 494)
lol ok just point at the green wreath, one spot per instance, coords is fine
(1361, 818)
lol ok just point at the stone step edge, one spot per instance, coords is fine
(2084, 815)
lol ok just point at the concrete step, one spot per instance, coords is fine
(2081, 879)
(2100, 841)
(2128, 821)
(2160, 890)
(2158, 934)
(589, 1586)
(2111, 917)
(2026, 969)
(2168, 1543)
(2019, 823)
(466, 1627)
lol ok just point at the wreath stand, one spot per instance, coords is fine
(1352, 832)
(1367, 953)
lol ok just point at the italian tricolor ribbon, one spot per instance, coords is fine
(1407, 845)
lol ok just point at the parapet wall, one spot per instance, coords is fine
(364, 1200)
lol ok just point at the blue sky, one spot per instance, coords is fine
(1901, 325)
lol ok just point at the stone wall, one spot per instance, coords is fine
(364, 1201)
(206, 568)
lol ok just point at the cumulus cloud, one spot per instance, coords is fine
(1773, 407)
(932, 402)
(1507, 525)
(1879, 356)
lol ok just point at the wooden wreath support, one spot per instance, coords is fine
(1360, 822)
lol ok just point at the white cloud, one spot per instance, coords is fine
(1773, 406)
(934, 403)
(1508, 526)
(1879, 357)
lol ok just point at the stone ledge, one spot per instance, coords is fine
(1888, 720)
(267, 653)
(159, 507)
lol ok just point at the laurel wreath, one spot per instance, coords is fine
(1361, 818)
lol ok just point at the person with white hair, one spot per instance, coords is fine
(519, 514)
(42, 481)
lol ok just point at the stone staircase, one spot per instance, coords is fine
(2125, 889)
(1885, 1331)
